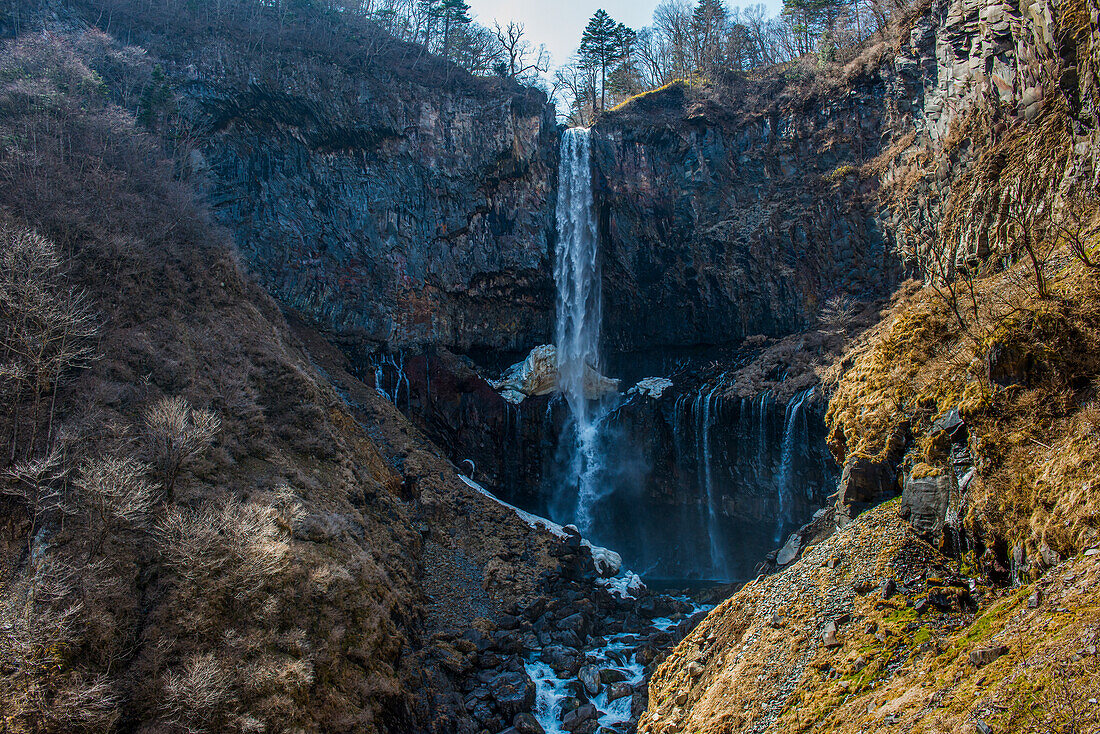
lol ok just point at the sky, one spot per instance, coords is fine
(559, 23)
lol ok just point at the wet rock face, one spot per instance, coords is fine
(444, 395)
(393, 213)
(723, 222)
(924, 503)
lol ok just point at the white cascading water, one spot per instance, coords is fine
(702, 408)
(577, 334)
(785, 482)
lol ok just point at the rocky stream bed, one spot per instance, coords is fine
(577, 658)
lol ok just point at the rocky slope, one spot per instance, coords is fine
(970, 400)
(290, 562)
(872, 631)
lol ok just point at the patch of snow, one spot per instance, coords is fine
(624, 586)
(651, 387)
(608, 562)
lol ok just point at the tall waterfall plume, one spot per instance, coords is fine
(577, 334)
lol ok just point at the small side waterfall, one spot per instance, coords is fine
(703, 408)
(785, 481)
(577, 333)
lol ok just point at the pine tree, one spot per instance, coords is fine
(456, 14)
(708, 25)
(604, 44)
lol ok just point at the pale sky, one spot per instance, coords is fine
(559, 23)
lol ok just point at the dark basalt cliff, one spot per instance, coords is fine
(395, 215)
(734, 212)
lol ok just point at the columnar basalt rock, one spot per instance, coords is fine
(411, 214)
(728, 213)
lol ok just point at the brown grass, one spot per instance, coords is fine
(1035, 443)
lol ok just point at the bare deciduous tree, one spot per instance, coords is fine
(521, 58)
(234, 545)
(35, 483)
(46, 331)
(198, 696)
(40, 623)
(116, 496)
(177, 434)
(837, 314)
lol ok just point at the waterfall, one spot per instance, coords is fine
(703, 406)
(784, 488)
(763, 465)
(577, 332)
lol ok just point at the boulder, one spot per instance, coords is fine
(514, 693)
(577, 623)
(790, 550)
(525, 723)
(607, 562)
(563, 660)
(864, 480)
(950, 423)
(538, 375)
(611, 675)
(924, 502)
(575, 720)
(986, 655)
(619, 690)
(589, 677)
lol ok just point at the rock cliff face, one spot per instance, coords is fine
(393, 213)
(703, 483)
(734, 212)
(961, 83)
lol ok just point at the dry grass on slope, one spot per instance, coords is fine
(1035, 437)
(274, 587)
(902, 662)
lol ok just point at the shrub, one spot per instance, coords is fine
(177, 434)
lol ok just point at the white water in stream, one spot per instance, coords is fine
(618, 653)
(577, 334)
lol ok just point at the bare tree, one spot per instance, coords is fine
(1077, 227)
(520, 56)
(672, 19)
(40, 628)
(177, 434)
(233, 546)
(47, 331)
(116, 496)
(36, 484)
(837, 314)
(1029, 235)
(198, 696)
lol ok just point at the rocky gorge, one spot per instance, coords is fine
(763, 403)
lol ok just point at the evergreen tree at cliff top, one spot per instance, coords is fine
(604, 44)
